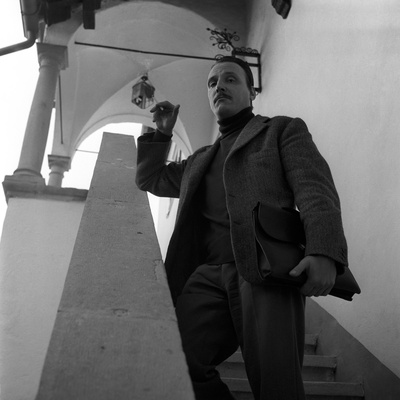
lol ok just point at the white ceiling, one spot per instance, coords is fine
(95, 89)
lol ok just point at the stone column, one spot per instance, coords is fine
(52, 59)
(58, 165)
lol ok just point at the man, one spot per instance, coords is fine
(211, 262)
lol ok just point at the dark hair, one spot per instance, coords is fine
(243, 64)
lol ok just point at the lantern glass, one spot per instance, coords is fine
(143, 93)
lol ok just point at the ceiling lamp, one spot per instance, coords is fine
(143, 93)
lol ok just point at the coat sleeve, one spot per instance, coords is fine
(153, 174)
(311, 181)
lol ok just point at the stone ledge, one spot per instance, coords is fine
(116, 334)
(24, 187)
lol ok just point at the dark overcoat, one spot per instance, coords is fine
(273, 160)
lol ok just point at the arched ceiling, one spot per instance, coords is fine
(95, 89)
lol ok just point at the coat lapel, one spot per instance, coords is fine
(255, 126)
(202, 160)
(197, 170)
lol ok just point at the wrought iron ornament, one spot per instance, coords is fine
(244, 50)
(224, 40)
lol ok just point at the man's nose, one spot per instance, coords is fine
(220, 87)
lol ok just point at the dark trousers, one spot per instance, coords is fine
(219, 311)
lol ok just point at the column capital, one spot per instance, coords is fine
(52, 54)
(63, 162)
(58, 165)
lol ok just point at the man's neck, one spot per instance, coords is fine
(236, 122)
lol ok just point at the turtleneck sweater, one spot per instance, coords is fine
(215, 223)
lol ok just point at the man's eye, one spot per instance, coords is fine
(211, 84)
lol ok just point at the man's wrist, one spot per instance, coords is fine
(166, 133)
(161, 136)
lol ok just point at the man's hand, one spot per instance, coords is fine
(321, 275)
(165, 115)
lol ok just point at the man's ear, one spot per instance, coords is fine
(253, 93)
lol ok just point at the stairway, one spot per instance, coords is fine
(318, 375)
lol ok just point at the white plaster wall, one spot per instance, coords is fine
(336, 65)
(36, 247)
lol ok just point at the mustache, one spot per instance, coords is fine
(221, 96)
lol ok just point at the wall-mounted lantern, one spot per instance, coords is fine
(143, 93)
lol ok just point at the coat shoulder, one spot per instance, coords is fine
(282, 122)
(279, 120)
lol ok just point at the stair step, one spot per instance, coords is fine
(334, 390)
(315, 368)
(310, 346)
(314, 390)
(318, 376)
(309, 360)
(319, 368)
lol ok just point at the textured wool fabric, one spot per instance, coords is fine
(215, 224)
(273, 160)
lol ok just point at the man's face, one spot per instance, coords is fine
(228, 91)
